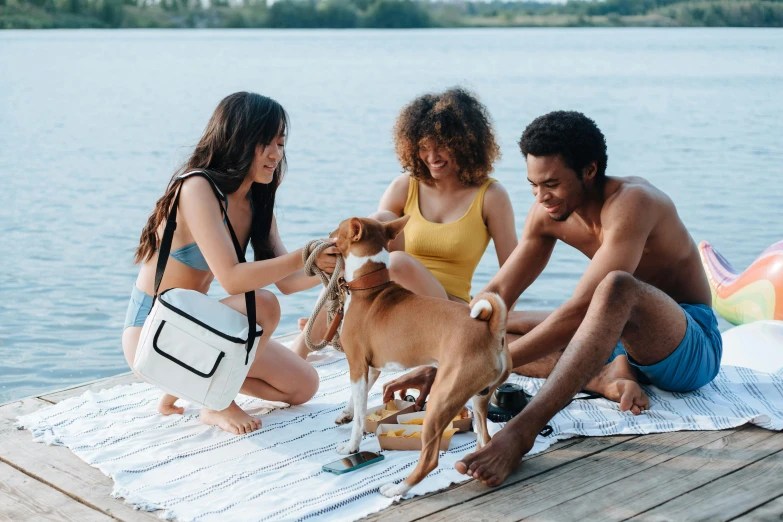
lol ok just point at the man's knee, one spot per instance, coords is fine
(616, 285)
(267, 309)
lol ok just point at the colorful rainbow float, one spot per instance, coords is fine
(753, 295)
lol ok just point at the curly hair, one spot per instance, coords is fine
(455, 120)
(569, 134)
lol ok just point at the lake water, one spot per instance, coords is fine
(92, 124)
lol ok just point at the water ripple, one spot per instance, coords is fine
(94, 122)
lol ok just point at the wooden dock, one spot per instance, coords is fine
(701, 475)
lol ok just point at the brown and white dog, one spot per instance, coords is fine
(388, 328)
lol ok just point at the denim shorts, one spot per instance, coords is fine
(695, 362)
(138, 308)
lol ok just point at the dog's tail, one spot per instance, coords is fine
(491, 308)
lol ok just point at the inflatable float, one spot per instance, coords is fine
(753, 295)
(758, 346)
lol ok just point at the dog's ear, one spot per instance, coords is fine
(395, 227)
(355, 229)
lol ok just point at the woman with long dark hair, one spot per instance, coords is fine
(242, 151)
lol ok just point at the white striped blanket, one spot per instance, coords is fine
(194, 472)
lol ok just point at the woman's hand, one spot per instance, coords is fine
(327, 259)
(419, 379)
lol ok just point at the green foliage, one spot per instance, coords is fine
(110, 12)
(622, 7)
(42, 14)
(397, 14)
(337, 14)
(292, 14)
(727, 14)
(249, 15)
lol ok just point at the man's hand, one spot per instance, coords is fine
(419, 379)
(327, 259)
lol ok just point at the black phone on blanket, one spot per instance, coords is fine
(352, 462)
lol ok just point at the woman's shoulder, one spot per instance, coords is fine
(197, 191)
(496, 199)
(495, 191)
(196, 187)
(400, 183)
(399, 187)
(396, 195)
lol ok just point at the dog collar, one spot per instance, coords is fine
(366, 282)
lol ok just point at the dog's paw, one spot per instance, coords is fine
(394, 490)
(347, 449)
(344, 418)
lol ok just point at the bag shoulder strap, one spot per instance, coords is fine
(165, 250)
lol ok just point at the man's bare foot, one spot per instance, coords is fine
(617, 382)
(233, 419)
(166, 405)
(302, 323)
(493, 463)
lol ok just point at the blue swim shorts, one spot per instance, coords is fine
(138, 308)
(695, 362)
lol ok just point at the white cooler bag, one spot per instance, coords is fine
(192, 346)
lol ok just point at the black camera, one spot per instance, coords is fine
(507, 401)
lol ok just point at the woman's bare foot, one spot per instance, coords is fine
(493, 463)
(617, 382)
(166, 405)
(233, 419)
(302, 323)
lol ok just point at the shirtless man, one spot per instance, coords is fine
(643, 304)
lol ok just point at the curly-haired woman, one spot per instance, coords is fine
(446, 146)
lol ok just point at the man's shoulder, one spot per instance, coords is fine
(539, 223)
(633, 193)
(634, 201)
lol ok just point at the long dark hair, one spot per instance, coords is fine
(225, 151)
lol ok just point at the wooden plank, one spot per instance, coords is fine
(660, 479)
(533, 465)
(57, 467)
(546, 490)
(24, 498)
(71, 387)
(758, 479)
(769, 512)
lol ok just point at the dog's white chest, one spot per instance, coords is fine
(353, 262)
(392, 367)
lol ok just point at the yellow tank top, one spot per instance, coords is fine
(450, 251)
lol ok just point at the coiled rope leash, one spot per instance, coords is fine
(333, 297)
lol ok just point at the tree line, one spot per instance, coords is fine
(387, 14)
